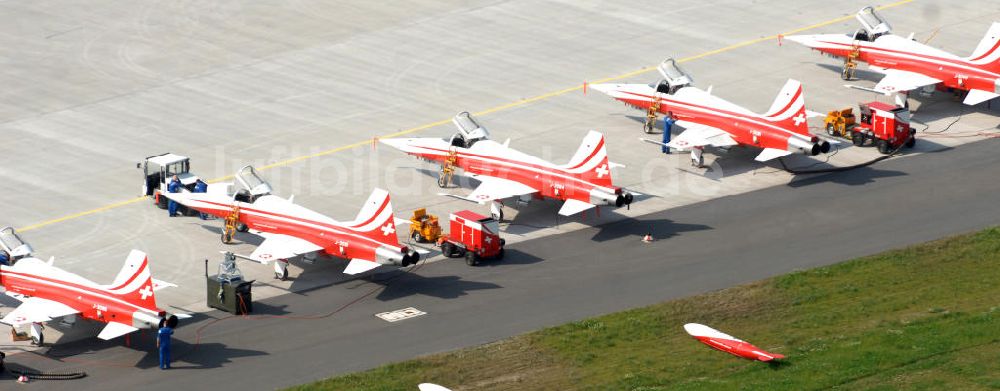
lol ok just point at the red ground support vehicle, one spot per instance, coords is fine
(474, 236)
(886, 125)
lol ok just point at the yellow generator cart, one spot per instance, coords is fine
(424, 228)
(839, 122)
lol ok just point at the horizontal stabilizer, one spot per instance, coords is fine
(771, 153)
(157, 285)
(572, 207)
(358, 266)
(975, 97)
(114, 330)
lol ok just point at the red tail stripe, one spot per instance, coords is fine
(145, 263)
(988, 52)
(795, 98)
(385, 203)
(592, 154)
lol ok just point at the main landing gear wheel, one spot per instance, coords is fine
(883, 146)
(242, 227)
(471, 258)
(847, 74)
(698, 162)
(281, 269)
(858, 139)
(448, 249)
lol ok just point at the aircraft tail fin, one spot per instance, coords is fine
(134, 282)
(591, 160)
(375, 220)
(789, 108)
(988, 51)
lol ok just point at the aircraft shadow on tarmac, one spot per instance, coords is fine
(657, 228)
(856, 177)
(397, 286)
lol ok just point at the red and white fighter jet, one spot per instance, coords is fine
(583, 183)
(908, 64)
(712, 121)
(729, 344)
(290, 229)
(47, 293)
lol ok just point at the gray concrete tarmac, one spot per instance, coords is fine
(816, 220)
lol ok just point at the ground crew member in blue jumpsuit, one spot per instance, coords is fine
(173, 187)
(668, 123)
(4, 258)
(163, 343)
(201, 187)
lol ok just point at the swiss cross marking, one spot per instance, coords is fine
(488, 240)
(145, 292)
(388, 229)
(799, 119)
(602, 170)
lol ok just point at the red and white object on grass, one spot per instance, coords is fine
(729, 344)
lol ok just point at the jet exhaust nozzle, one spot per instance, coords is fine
(624, 199)
(410, 258)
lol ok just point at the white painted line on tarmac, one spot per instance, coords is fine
(398, 315)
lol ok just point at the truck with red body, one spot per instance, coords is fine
(473, 236)
(886, 126)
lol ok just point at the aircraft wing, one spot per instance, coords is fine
(697, 135)
(35, 309)
(278, 246)
(896, 80)
(492, 188)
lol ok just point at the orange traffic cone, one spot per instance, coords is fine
(647, 239)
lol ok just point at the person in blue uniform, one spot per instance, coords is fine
(163, 344)
(173, 187)
(668, 123)
(201, 187)
(4, 258)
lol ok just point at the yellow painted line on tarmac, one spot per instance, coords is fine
(510, 105)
